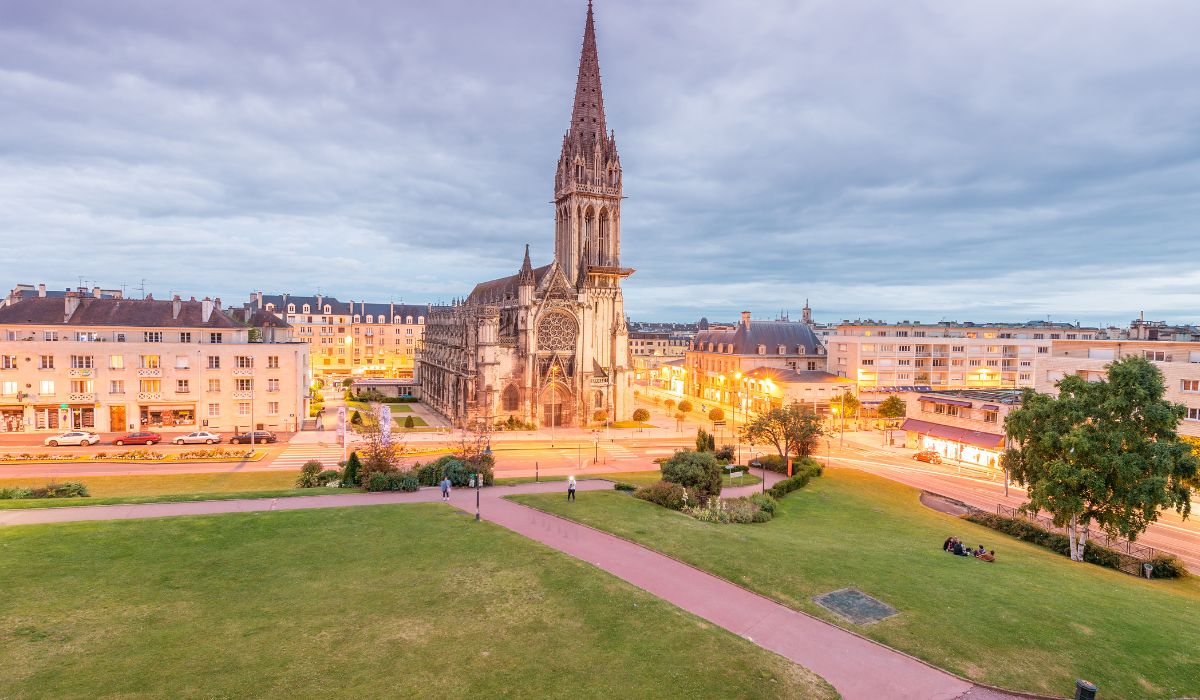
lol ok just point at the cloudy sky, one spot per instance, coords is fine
(915, 160)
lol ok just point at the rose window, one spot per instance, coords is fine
(556, 332)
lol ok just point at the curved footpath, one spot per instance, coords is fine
(855, 666)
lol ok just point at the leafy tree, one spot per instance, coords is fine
(847, 403)
(685, 406)
(641, 415)
(381, 452)
(704, 441)
(716, 414)
(794, 430)
(600, 416)
(1103, 452)
(893, 407)
(409, 422)
(698, 472)
(669, 404)
(350, 474)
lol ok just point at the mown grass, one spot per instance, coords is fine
(383, 601)
(636, 478)
(160, 488)
(1033, 621)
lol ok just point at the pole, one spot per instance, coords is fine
(478, 483)
(536, 472)
(251, 415)
(842, 428)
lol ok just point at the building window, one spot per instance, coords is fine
(762, 349)
(45, 361)
(990, 416)
(46, 386)
(1156, 355)
(1193, 414)
(182, 386)
(244, 361)
(214, 410)
(120, 337)
(216, 338)
(272, 361)
(185, 337)
(149, 362)
(244, 384)
(8, 361)
(272, 385)
(82, 386)
(1191, 385)
(214, 362)
(272, 408)
(214, 385)
(50, 335)
(116, 386)
(116, 362)
(243, 408)
(150, 386)
(152, 336)
(8, 388)
(181, 362)
(81, 361)
(87, 336)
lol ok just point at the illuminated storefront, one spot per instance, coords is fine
(954, 443)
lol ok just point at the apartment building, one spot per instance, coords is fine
(650, 349)
(719, 359)
(109, 364)
(356, 338)
(1178, 361)
(961, 426)
(945, 355)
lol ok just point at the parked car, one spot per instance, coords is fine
(197, 438)
(73, 437)
(138, 438)
(259, 436)
(928, 456)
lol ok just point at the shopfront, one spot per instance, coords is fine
(955, 444)
(168, 416)
(78, 417)
(12, 419)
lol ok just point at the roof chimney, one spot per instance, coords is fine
(320, 303)
(41, 290)
(746, 319)
(96, 292)
(206, 309)
(176, 305)
(72, 304)
(217, 303)
(259, 295)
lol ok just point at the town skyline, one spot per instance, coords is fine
(403, 154)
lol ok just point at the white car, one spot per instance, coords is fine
(73, 437)
(197, 438)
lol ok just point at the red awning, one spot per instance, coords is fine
(948, 402)
(990, 441)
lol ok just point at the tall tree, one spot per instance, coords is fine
(847, 403)
(1102, 452)
(893, 407)
(792, 430)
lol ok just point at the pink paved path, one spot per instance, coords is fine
(857, 667)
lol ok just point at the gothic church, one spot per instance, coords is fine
(548, 345)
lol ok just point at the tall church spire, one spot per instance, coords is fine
(587, 118)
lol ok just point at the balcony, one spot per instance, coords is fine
(149, 372)
(243, 371)
(149, 396)
(82, 398)
(81, 372)
(243, 394)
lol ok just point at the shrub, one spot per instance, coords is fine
(663, 493)
(774, 463)
(600, 416)
(377, 482)
(734, 510)
(16, 492)
(685, 406)
(624, 486)
(764, 502)
(458, 470)
(725, 454)
(698, 472)
(356, 417)
(703, 440)
(329, 477)
(350, 475)
(641, 415)
(409, 483)
(716, 414)
(310, 475)
(1167, 566)
(409, 422)
(67, 489)
(801, 474)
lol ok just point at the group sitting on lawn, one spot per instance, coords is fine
(955, 546)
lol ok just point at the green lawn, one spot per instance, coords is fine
(1033, 621)
(156, 488)
(365, 406)
(418, 422)
(384, 601)
(638, 478)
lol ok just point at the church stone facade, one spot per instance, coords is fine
(548, 345)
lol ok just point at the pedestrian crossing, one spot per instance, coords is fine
(296, 455)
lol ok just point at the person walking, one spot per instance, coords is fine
(571, 488)
(445, 488)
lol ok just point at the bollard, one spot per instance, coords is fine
(1084, 690)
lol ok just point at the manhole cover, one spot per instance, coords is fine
(855, 606)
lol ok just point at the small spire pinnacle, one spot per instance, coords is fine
(526, 274)
(587, 117)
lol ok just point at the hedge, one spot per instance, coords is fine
(802, 472)
(68, 489)
(1165, 565)
(662, 493)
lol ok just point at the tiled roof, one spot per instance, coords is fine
(141, 313)
(770, 334)
(791, 376)
(342, 307)
(505, 287)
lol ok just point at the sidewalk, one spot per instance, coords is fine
(857, 667)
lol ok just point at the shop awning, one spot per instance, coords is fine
(990, 441)
(948, 402)
(176, 407)
(990, 407)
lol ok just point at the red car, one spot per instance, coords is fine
(139, 438)
(928, 456)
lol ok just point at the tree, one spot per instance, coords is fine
(893, 407)
(409, 422)
(847, 403)
(704, 441)
(716, 415)
(698, 472)
(381, 452)
(356, 418)
(641, 415)
(1103, 452)
(351, 471)
(669, 404)
(685, 406)
(794, 430)
(600, 416)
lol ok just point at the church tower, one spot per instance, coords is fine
(587, 184)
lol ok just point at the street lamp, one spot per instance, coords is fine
(596, 446)
(841, 414)
(487, 452)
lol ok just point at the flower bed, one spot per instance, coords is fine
(39, 457)
(69, 489)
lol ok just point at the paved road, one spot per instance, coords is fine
(857, 667)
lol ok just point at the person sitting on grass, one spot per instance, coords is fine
(948, 543)
(979, 552)
(959, 550)
(988, 556)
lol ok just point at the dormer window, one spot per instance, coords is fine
(782, 349)
(291, 308)
(307, 309)
(421, 320)
(370, 318)
(396, 319)
(270, 307)
(328, 309)
(408, 319)
(762, 349)
(357, 318)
